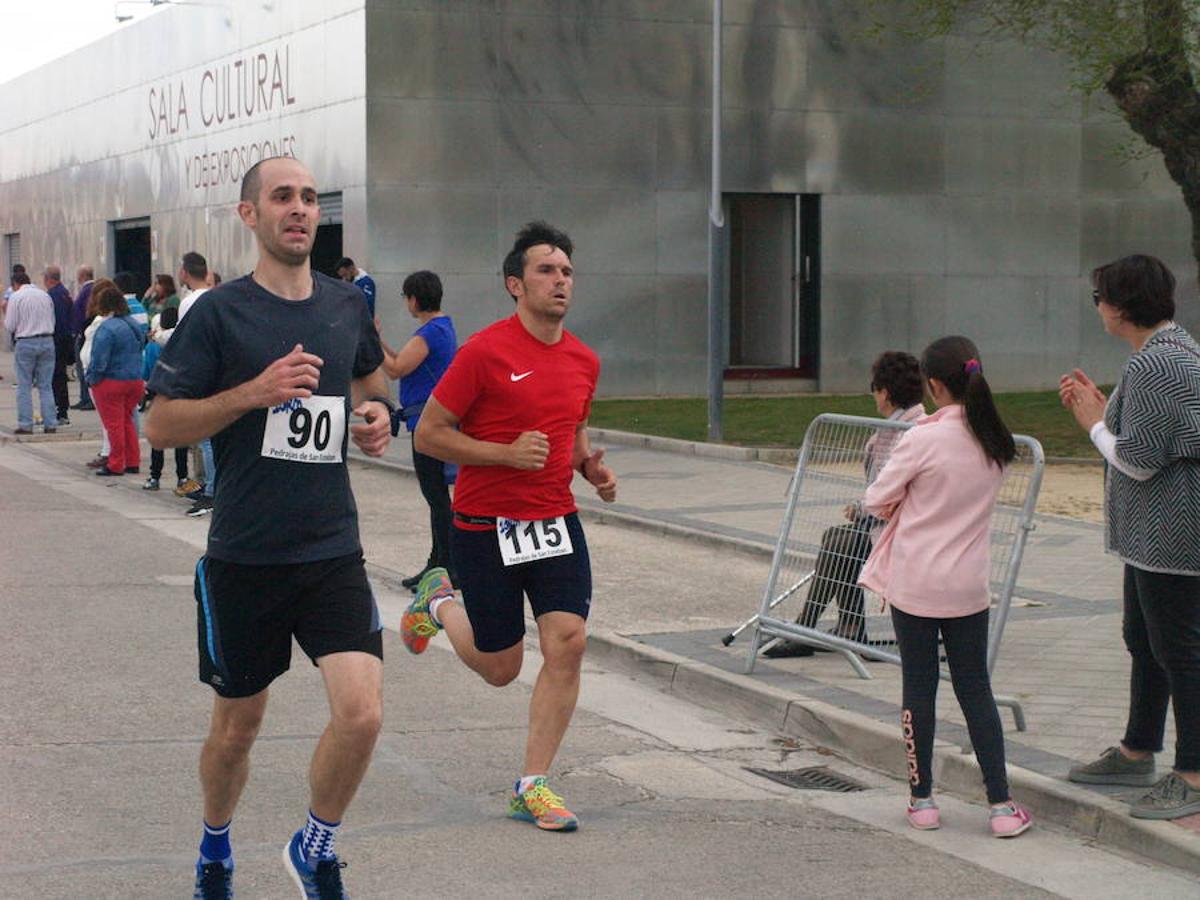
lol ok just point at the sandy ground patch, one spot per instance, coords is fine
(1076, 491)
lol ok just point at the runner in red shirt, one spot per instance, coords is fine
(512, 410)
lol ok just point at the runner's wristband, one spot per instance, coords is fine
(386, 402)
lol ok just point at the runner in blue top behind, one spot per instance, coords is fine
(419, 364)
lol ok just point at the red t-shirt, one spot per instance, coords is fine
(504, 381)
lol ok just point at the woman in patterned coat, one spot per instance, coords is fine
(1149, 433)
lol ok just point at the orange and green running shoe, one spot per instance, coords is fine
(417, 626)
(541, 806)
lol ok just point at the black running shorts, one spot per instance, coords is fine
(246, 617)
(493, 593)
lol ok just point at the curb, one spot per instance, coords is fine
(868, 742)
(7, 437)
(776, 456)
(606, 516)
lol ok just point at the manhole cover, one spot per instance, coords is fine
(814, 778)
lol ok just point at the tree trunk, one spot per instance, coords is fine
(1156, 93)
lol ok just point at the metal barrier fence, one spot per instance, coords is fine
(825, 538)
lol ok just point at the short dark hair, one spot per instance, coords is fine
(426, 288)
(21, 277)
(195, 265)
(124, 281)
(1140, 286)
(169, 317)
(344, 263)
(531, 235)
(899, 374)
(252, 182)
(18, 267)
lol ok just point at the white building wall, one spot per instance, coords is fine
(138, 124)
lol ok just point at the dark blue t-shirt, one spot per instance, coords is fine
(366, 284)
(417, 385)
(284, 491)
(63, 310)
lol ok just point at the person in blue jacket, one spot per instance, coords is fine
(114, 373)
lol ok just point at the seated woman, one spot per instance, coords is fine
(897, 388)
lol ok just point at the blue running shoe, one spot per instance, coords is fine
(213, 882)
(320, 882)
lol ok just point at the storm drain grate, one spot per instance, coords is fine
(814, 778)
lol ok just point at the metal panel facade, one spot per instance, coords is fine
(960, 189)
(161, 119)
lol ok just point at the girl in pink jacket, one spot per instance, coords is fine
(931, 566)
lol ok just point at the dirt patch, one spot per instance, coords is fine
(1075, 491)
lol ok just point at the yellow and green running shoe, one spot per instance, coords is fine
(417, 626)
(541, 806)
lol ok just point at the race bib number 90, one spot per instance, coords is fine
(306, 429)
(524, 541)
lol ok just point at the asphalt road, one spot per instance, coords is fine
(102, 720)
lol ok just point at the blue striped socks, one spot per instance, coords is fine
(214, 847)
(318, 838)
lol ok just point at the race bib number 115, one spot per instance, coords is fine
(524, 541)
(306, 429)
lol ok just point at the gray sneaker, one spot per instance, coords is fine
(1171, 798)
(1114, 767)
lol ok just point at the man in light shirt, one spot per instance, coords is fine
(193, 274)
(29, 318)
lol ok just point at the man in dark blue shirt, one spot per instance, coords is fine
(64, 338)
(348, 271)
(281, 369)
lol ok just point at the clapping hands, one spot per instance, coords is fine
(1081, 396)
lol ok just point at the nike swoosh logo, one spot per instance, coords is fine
(515, 377)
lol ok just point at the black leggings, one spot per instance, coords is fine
(965, 639)
(431, 476)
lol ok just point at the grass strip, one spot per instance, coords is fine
(781, 421)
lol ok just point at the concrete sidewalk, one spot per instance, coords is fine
(1062, 655)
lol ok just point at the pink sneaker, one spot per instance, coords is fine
(1009, 820)
(923, 814)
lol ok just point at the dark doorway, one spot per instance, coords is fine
(131, 251)
(327, 249)
(808, 319)
(774, 285)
